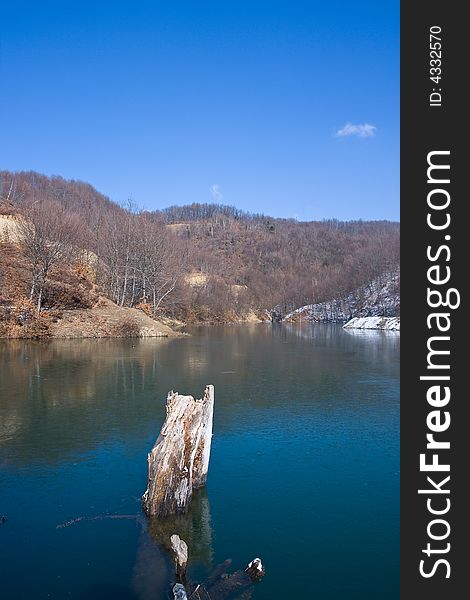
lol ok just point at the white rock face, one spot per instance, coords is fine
(385, 323)
(380, 297)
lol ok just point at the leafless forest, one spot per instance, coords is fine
(63, 244)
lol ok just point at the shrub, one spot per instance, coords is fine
(21, 321)
(127, 328)
(66, 296)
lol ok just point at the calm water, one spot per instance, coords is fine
(304, 468)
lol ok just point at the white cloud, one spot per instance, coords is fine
(215, 192)
(365, 130)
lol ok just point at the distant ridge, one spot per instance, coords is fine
(200, 262)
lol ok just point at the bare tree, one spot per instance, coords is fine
(162, 265)
(47, 232)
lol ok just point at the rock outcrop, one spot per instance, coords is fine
(379, 298)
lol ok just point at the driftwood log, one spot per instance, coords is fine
(179, 461)
(239, 584)
(222, 586)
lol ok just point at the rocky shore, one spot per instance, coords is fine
(384, 323)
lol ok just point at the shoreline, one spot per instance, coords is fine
(374, 323)
(96, 323)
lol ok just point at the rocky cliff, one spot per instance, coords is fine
(379, 298)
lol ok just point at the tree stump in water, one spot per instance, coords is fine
(179, 593)
(180, 551)
(179, 460)
(255, 570)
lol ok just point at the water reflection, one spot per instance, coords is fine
(151, 571)
(315, 404)
(67, 397)
(64, 397)
(373, 333)
(194, 528)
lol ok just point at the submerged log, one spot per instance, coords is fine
(239, 585)
(218, 572)
(179, 460)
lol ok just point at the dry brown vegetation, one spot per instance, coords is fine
(201, 262)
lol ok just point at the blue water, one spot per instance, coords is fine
(304, 468)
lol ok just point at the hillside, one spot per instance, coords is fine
(379, 298)
(64, 244)
(72, 305)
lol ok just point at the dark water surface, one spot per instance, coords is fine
(304, 467)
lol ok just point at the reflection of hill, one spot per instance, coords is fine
(264, 366)
(62, 397)
(65, 398)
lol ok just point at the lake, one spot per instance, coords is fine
(304, 469)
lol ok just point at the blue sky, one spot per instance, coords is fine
(287, 108)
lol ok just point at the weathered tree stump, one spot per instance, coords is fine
(180, 552)
(255, 570)
(179, 460)
(179, 593)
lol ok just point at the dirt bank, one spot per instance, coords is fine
(107, 319)
(104, 320)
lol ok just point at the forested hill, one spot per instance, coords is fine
(200, 262)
